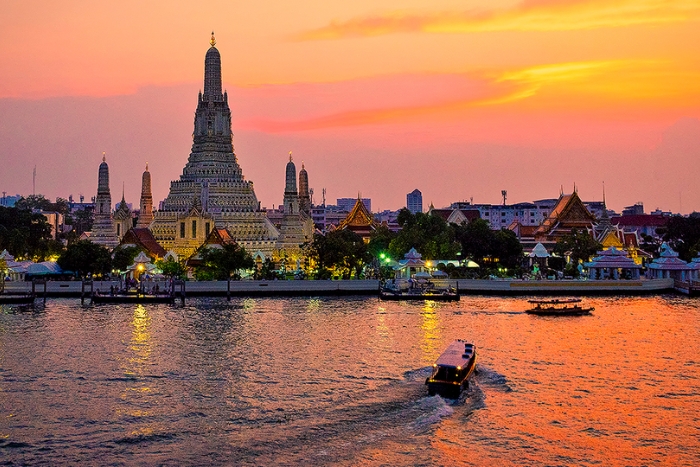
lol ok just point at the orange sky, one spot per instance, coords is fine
(458, 99)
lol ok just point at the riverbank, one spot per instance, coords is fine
(366, 287)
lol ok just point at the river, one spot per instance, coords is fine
(340, 381)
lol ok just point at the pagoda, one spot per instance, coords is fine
(103, 231)
(212, 192)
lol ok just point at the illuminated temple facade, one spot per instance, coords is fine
(212, 192)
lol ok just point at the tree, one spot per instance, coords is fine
(31, 202)
(226, 261)
(683, 234)
(579, 245)
(508, 249)
(85, 257)
(342, 250)
(477, 240)
(124, 257)
(171, 268)
(26, 234)
(430, 235)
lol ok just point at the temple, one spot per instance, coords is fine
(569, 214)
(360, 221)
(212, 192)
(103, 231)
(146, 204)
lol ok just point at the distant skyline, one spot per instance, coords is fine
(457, 100)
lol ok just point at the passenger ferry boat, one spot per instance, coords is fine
(401, 289)
(559, 307)
(452, 370)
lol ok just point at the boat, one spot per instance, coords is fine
(419, 290)
(559, 307)
(452, 370)
(442, 296)
(17, 298)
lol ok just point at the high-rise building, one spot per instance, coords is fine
(347, 204)
(103, 232)
(212, 191)
(146, 212)
(414, 201)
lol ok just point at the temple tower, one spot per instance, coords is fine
(122, 218)
(296, 226)
(212, 175)
(291, 196)
(304, 198)
(103, 232)
(146, 213)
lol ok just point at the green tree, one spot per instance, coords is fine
(683, 234)
(508, 249)
(225, 262)
(341, 250)
(85, 257)
(578, 245)
(26, 234)
(379, 241)
(477, 240)
(430, 235)
(123, 257)
(171, 268)
(31, 202)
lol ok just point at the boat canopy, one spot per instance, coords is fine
(457, 354)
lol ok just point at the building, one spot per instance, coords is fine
(360, 221)
(346, 204)
(501, 216)
(296, 226)
(146, 204)
(103, 231)
(414, 201)
(212, 191)
(569, 213)
(8, 201)
(455, 216)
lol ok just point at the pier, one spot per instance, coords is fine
(306, 288)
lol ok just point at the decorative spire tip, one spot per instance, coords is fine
(213, 40)
(290, 156)
(104, 157)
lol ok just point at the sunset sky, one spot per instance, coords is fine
(460, 99)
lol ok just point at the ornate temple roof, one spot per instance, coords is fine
(569, 213)
(143, 238)
(668, 260)
(612, 258)
(359, 219)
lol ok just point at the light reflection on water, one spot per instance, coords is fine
(340, 382)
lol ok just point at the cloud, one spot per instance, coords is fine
(537, 15)
(488, 89)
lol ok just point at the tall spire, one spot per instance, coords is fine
(212, 73)
(146, 204)
(103, 232)
(304, 198)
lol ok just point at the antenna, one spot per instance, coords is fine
(34, 181)
(324, 197)
(504, 193)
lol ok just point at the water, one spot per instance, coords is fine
(340, 381)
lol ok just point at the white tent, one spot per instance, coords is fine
(539, 252)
